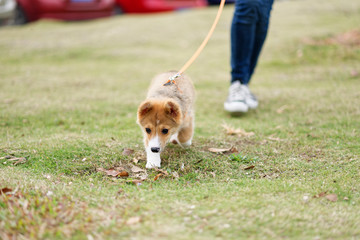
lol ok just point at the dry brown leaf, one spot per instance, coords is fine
(219, 150)
(118, 172)
(234, 150)
(223, 150)
(11, 192)
(133, 220)
(135, 160)
(127, 151)
(140, 175)
(100, 169)
(348, 39)
(136, 169)
(157, 176)
(249, 167)
(331, 197)
(239, 132)
(111, 172)
(164, 172)
(5, 190)
(122, 174)
(322, 194)
(282, 109)
(354, 73)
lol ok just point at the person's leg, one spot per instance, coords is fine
(245, 48)
(260, 33)
(243, 33)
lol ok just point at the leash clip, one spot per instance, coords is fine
(171, 80)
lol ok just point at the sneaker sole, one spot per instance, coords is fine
(236, 107)
(252, 105)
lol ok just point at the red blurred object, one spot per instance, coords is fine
(151, 6)
(32, 10)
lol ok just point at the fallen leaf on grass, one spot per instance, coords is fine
(239, 132)
(135, 160)
(123, 174)
(114, 172)
(282, 109)
(136, 169)
(331, 197)
(133, 220)
(322, 194)
(249, 167)
(127, 151)
(157, 176)
(354, 73)
(164, 172)
(223, 150)
(5, 190)
(9, 192)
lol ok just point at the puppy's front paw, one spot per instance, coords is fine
(187, 144)
(153, 160)
(152, 165)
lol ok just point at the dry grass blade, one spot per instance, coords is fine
(249, 167)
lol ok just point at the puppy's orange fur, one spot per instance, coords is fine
(166, 114)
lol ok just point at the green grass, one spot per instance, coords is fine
(68, 100)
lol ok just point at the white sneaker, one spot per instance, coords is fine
(236, 100)
(250, 98)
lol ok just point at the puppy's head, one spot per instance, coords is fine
(159, 120)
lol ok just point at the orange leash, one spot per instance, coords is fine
(199, 50)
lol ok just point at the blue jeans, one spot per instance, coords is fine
(248, 32)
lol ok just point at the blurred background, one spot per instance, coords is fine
(18, 12)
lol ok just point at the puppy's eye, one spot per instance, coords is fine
(148, 130)
(165, 131)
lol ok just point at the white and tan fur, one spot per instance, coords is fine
(166, 115)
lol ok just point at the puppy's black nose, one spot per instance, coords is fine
(155, 149)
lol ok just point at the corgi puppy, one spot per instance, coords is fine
(166, 115)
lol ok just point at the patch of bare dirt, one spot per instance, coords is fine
(349, 39)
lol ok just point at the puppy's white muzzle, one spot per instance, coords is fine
(154, 144)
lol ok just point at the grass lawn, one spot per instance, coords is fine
(68, 99)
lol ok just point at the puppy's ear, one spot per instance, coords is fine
(144, 109)
(172, 109)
